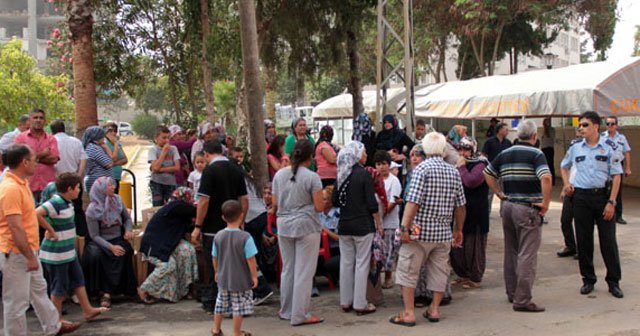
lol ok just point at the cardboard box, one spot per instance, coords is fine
(140, 268)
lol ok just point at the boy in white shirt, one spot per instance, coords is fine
(390, 215)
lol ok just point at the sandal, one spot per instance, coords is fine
(430, 317)
(368, 310)
(144, 297)
(245, 333)
(312, 320)
(346, 309)
(471, 285)
(96, 313)
(459, 281)
(399, 320)
(105, 301)
(219, 333)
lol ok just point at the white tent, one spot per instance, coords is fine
(341, 106)
(609, 88)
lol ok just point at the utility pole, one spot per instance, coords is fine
(390, 39)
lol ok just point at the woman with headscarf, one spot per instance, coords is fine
(177, 138)
(99, 163)
(163, 244)
(393, 139)
(469, 261)
(298, 132)
(363, 132)
(107, 260)
(297, 198)
(205, 133)
(359, 219)
(269, 131)
(456, 133)
(326, 157)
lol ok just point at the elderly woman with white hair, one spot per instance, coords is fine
(359, 219)
(469, 261)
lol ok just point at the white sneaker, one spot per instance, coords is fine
(260, 300)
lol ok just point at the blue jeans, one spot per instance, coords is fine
(160, 193)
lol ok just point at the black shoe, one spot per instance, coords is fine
(586, 289)
(566, 252)
(621, 220)
(575, 257)
(616, 291)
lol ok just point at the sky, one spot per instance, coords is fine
(629, 17)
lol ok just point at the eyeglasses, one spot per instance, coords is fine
(611, 124)
(584, 125)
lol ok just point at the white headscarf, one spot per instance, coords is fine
(347, 158)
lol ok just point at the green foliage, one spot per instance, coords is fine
(326, 87)
(225, 96)
(145, 125)
(636, 42)
(23, 87)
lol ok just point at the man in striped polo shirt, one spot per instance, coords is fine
(525, 200)
(58, 253)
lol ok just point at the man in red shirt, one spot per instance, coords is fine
(46, 148)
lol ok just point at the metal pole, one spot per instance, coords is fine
(135, 195)
(342, 122)
(408, 63)
(473, 128)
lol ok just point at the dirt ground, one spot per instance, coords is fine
(482, 312)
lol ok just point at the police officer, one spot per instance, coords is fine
(597, 167)
(624, 152)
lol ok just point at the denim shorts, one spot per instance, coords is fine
(64, 278)
(160, 193)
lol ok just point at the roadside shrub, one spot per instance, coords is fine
(145, 125)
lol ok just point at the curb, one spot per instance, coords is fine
(134, 157)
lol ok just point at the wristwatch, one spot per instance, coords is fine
(198, 226)
(612, 202)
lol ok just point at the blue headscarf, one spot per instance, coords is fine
(92, 135)
(361, 127)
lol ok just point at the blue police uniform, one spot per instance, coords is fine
(595, 167)
(623, 147)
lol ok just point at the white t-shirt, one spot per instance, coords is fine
(194, 178)
(392, 188)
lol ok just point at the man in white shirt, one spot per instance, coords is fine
(73, 159)
(9, 137)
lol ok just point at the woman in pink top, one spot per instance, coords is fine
(276, 158)
(326, 154)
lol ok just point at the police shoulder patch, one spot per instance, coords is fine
(611, 144)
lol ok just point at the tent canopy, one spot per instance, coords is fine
(609, 88)
(341, 106)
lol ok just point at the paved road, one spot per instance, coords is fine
(481, 312)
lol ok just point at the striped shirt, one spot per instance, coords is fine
(60, 215)
(520, 167)
(97, 164)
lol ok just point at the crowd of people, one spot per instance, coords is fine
(386, 209)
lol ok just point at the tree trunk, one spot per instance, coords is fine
(515, 60)
(270, 93)
(253, 93)
(80, 20)
(206, 66)
(494, 56)
(354, 72)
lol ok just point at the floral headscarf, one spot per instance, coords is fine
(103, 207)
(222, 136)
(361, 127)
(203, 128)
(268, 123)
(470, 143)
(418, 149)
(92, 135)
(174, 129)
(183, 194)
(347, 158)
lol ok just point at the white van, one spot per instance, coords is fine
(124, 128)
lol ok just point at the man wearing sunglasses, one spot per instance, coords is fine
(624, 152)
(597, 166)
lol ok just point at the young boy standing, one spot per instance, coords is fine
(165, 162)
(234, 263)
(58, 253)
(390, 215)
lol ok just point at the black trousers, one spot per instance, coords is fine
(566, 223)
(210, 289)
(587, 211)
